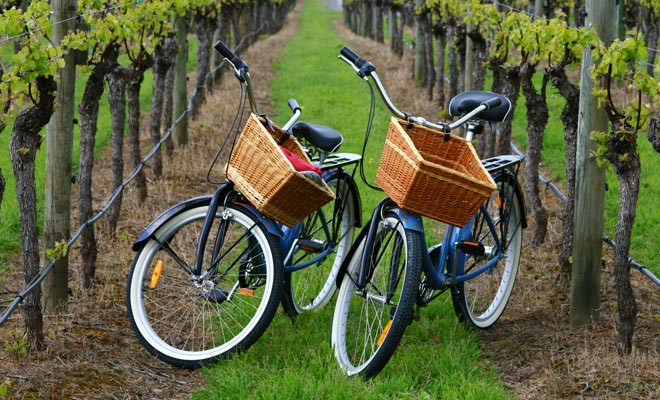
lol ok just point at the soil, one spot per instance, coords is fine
(93, 353)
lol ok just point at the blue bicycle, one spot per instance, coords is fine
(209, 272)
(396, 265)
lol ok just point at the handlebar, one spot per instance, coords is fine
(366, 69)
(240, 67)
(242, 73)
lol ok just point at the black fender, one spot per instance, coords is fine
(169, 213)
(351, 253)
(186, 205)
(355, 194)
(517, 190)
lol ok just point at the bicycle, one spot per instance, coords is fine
(392, 272)
(209, 272)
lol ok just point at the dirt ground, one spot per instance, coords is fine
(93, 353)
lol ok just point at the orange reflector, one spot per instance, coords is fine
(156, 275)
(246, 292)
(384, 333)
(500, 204)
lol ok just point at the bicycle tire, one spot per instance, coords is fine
(367, 325)
(312, 287)
(189, 321)
(481, 301)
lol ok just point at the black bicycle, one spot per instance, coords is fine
(209, 272)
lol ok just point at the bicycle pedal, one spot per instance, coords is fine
(471, 248)
(311, 245)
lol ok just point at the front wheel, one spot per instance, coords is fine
(481, 301)
(370, 320)
(189, 319)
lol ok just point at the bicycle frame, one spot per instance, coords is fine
(289, 239)
(444, 264)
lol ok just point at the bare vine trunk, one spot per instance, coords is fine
(480, 50)
(168, 107)
(117, 81)
(223, 34)
(204, 28)
(506, 81)
(365, 20)
(441, 44)
(164, 57)
(537, 118)
(134, 131)
(622, 153)
(25, 141)
(569, 118)
(456, 60)
(89, 113)
(378, 21)
(396, 26)
(628, 193)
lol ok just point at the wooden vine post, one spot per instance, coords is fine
(589, 179)
(59, 153)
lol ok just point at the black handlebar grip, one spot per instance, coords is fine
(293, 105)
(352, 56)
(229, 55)
(492, 103)
(365, 68)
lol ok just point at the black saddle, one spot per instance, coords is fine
(323, 137)
(468, 101)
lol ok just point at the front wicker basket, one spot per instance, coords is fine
(434, 174)
(262, 173)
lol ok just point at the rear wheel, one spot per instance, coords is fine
(369, 322)
(481, 301)
(189, 319)
(329, 229)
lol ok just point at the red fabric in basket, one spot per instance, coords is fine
(298, 163)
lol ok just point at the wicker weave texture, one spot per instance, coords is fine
(267, 179)
(438, 178)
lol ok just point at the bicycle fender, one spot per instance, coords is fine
(166, 215)
(356, 198)
(354, 251)
(270, 225)
(410, 221)
(353, 188)
(519, 194)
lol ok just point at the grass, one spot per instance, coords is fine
(438, 357)
(297, 362)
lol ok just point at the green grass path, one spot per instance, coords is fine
(438, 357)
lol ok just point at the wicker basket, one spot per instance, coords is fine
(267, 179)
(432, 173)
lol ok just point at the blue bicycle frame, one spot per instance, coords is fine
(447, 253)
(290, 235)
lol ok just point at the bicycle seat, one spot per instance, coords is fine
(468, 101)
(323, 137)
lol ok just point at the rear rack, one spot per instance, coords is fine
(336, 160)
(498, 163)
